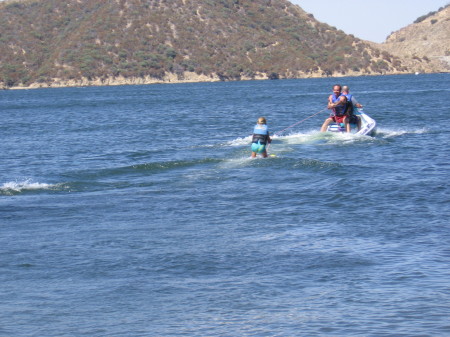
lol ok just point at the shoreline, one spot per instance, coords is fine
(187, 77)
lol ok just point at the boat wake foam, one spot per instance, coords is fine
(391, 133)
(17, 187)
(307, 138)
(241, 141)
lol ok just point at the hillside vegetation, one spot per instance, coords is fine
(53, 42)
(427, 39)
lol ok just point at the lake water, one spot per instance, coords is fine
(137, 211)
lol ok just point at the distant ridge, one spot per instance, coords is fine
(89, 42)
(424, 46)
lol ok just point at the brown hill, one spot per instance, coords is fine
(423, 46)
(91, 42)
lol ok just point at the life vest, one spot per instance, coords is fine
(340, 109)
(349, 108)
(260, 133)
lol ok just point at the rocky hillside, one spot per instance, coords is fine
(424, 46)
(91, 42)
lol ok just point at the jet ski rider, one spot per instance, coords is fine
(338, 103)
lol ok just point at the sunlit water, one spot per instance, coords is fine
(137, 211)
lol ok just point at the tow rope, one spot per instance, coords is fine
(291, 126)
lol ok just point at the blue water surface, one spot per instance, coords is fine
(137, 211)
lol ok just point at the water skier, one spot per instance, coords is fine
(261, 138)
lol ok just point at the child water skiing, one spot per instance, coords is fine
(261, 138)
